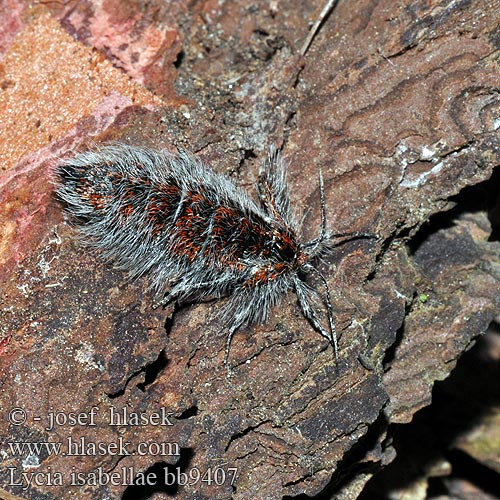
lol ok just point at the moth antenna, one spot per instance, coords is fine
(328, 7)
(322, 235)
(355, 235)
(322, 231)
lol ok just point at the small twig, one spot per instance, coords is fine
(330, 4)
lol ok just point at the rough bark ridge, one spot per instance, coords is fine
(398, 105)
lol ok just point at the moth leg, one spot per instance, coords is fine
(167, 298)
(354, 235)
(230, 336)
(183, 288)
(257, 296)
(310, 315)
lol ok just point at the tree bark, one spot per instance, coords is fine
(396, 104)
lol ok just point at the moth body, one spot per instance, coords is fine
(170, 216)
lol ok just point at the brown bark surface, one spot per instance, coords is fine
(396, 102)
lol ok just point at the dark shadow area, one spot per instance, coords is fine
(248, 155)
(484, 196)
(472, 389)
(459, 402)
(180, 59)
(190, 412)
(169, 478)
(352, 464)
(152, 370)
(390, 353)
(469, 470)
